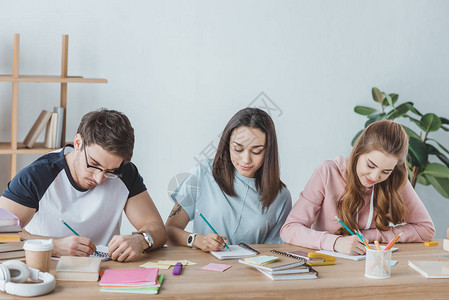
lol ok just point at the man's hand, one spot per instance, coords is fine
(126, 248)
(73, 246)
(210, 242)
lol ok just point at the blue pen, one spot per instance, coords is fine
(210, 226)
(74, 232)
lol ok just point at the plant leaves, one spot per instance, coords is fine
(399, 111)
(418, 152)
(441, 146)
(436, 170)
(415, 111)
(411, 133)
(423, 180)
(377, 95)
(444, 120)
(394, 98)
(356, 137)
(443, 159)
(364, 110)
(440, 184)
(417, 122)
(388, 101)
(430, 122)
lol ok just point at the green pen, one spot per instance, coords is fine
(74, 232)
(210, 226)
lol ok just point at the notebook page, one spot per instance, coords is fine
(235, 253)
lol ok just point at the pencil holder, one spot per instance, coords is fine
(378, 264)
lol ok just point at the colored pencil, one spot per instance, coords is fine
(377, 245)
(363, 239)
(210, 226)
(392, 242)
(74, 232)
(349, 230)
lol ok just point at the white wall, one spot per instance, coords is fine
(181, 69)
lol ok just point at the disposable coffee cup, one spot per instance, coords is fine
(38, 254)
(378, 264)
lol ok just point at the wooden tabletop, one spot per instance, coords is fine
(345, 280)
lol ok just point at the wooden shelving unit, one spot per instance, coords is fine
(13, 148)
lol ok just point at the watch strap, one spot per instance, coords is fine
(148, 238)
(191, 239)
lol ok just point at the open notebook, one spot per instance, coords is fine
(237, 251)
(352, 257)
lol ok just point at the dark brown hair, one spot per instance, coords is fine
(109, 129)
(390, 138)
(267, 177)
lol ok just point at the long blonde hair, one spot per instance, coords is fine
(390, 138)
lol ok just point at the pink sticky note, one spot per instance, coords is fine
(216, 267)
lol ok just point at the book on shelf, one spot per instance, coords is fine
(75, 268)
(50, 131)
(37, 128)
(8, 219)
(431, 269)
(236, 251)
(58, 137)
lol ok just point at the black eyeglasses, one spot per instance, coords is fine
(108, 174)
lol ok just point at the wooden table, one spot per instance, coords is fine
(345, 280)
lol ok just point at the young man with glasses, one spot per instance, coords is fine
(88, 185)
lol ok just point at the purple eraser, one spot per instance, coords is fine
(177, 269)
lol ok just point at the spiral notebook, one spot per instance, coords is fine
(241, 250)
(284, 261)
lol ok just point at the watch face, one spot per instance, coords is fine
(190, 239)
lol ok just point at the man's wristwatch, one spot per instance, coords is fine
(147, 238)
(191, 239)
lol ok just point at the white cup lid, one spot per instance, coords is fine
(38, 245)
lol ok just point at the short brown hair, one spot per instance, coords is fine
(109, 129)
(268, 180)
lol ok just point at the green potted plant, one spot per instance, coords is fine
(421, 145)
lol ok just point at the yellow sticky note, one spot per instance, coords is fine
(167, 262)
(173, 262)
(154, 265)
(430, 244)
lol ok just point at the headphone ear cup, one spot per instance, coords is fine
(4, 273)
(18, 271)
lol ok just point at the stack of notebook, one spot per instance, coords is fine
(138, 281)
(11, 251)
(75, 268)
(9, 227)
(281, 266)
